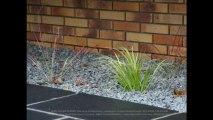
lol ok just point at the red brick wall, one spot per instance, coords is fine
(155, 28)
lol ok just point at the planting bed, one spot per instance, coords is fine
(91, 77)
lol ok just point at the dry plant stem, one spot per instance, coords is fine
(43, 51)
(53, 55)
(43, 54)
(66, 64)
(38, 66)
(73, 63)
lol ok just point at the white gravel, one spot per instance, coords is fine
(100, 82)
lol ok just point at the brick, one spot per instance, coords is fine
(154, 28)
(168, 40)
(139, 37)
(75, 41)
(34, 18)
(52, 2)
(138, 17)
(167, 18)
(170, 1)
(152, 48)
(150, 7)
(71, 47)
(90, 50)
(177, 51)
(144, 56)
(178, 30)
(41, 28)
(127, 45)
(99, 43)
(51, 38)
(34, 2)
(65, 30)
(112, 15)
(46, 10)
(85, 13)
(39, 10)
(84, 32)
(127, 6)
(162, 57)
(80, 49)
(127, 26)
(108, 52)
(148, 0)
(75, 3)
(177, 8)
(28, 27)
(32, 36)
(76, 22)
(28, 9)
(100, 24)
(184, 41)
(62, 11)
(44, 44)
(100, 4)
(185, 20)
(52, 20)
(107, 34)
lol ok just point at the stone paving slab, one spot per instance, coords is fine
(181, 116)
(91, 107)
(32, 115)
(37, 93)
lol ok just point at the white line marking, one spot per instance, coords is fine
(165, 116)
(61, 118)
(56, 114)
(50, 99)
(65, 117)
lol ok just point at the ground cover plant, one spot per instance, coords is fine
(129, 72)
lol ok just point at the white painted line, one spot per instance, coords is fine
(62, 118)
(166, 116)
(65, 117)
(50, 99)
(56, 114)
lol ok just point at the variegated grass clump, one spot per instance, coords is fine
(129, 73)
